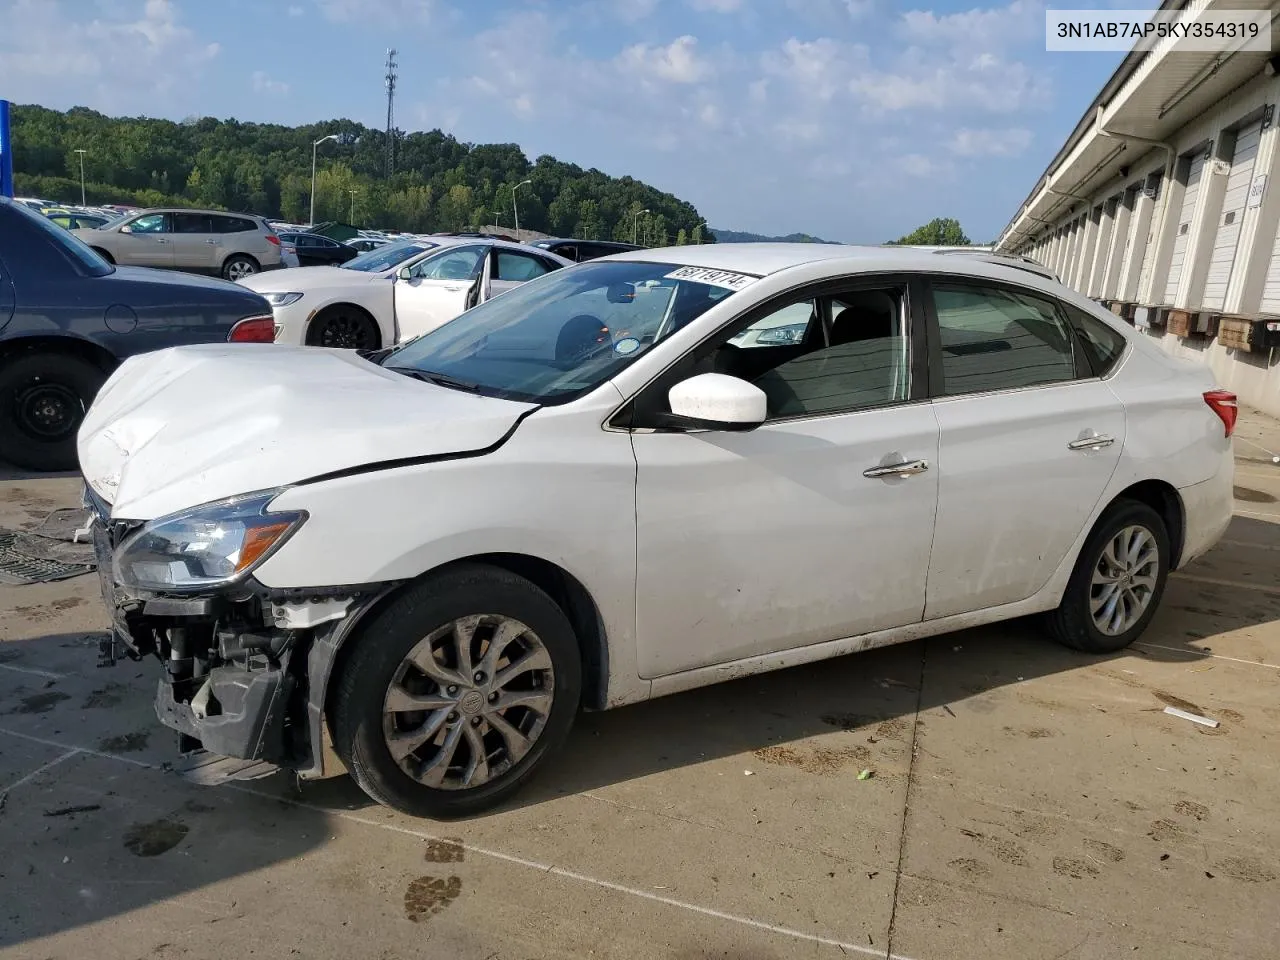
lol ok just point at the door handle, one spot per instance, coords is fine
(908, 468)
(213, 242)
(161, 240)
(454, 289)
(1091, 443)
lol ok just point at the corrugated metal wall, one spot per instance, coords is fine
(1223, 257)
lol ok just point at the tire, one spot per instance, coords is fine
(378, 668)
(344, 326)
(238, 266)
(104, 254)
(1073, 623)
(43, 398)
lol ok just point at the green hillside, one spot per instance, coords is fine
(438, 183)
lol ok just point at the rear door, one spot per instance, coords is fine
(437, 288)
(194, 242)
(1029, 437)
(148, 242)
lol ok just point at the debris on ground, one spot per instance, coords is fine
(866, 774)
(1188, 715)
(69, 811)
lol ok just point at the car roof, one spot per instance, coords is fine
(762, 259)
(220, 213)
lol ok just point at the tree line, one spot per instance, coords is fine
(438, 183)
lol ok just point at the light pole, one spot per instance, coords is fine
(82, 153)
(635, 225)
(314, 147)
(352, 218)
(515, 209)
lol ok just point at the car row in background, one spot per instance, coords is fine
(315, 250)
(397, 292)
(581, 250)
(227, 245)
(68, 318)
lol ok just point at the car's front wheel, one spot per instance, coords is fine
(43, 399)
(343, 326)
(456, 693)
(1117, 583)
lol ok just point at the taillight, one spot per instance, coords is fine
(1223, 403)
(272, 238)
(253, 330)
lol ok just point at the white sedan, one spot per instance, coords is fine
(603, 487)
(397, 291)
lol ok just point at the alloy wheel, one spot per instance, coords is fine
(345, 332)
(468, 702)
(239, 269)
(1124, 580)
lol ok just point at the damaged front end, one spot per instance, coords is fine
(245, 666)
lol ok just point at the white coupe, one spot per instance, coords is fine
(396, 291)
(604, 486)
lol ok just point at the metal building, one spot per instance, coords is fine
(1164, 205)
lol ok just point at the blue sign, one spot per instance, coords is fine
(6, 152)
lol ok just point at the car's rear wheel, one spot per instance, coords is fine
(239, 266)
(43, 399)
(456, 693)
(344, 326)
(1117, 583)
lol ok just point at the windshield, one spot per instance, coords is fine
(388, 256)
(563, 334)
(115, 221)
(70, 245)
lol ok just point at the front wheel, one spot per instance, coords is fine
(345, 327)
(456, 693)
(43, 399)
(1117, 583)
(239, 267)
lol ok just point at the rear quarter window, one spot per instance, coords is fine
(1102, 345)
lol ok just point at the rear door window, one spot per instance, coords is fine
(1102, 345)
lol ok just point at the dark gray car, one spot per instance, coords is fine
(68, 318)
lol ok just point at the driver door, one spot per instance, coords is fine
(437, 289)
(148, 242)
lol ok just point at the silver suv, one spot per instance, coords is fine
(228, 245)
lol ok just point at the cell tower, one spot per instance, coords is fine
(391, 111)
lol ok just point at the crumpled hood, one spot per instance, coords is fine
(302, 279)
(180, 427)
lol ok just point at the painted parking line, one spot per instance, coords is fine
(545, 868)
(33, 671)
(74, 751)
(1223, 582)
(1206, 655)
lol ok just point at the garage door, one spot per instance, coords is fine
(1224, 244)
(1146, 242)
(1271, 289)
(1183, 227)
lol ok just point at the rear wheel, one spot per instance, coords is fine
(1116, 586)
(43, 399)
(239, 266)
(344, 326)
(456, 693)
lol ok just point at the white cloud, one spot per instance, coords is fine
(978, 28)
(918, 165)
(716, 6)
(378, 12)
(61, 58)
(1012, 142)
(677, 62)
(264, 84)
(923, 81)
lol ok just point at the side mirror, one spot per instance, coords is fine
(715, 401)
(126, 229)
(405, 273)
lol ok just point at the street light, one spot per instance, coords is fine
(514, 208)
(635, 225)
(82, 153)
(314, 147)
(352, 218)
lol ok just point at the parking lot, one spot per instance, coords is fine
(985, 793)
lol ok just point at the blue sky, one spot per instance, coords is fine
(855, 120)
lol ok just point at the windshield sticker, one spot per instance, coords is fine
(626, 345)
(713, 278)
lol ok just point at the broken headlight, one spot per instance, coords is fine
(207, 546)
